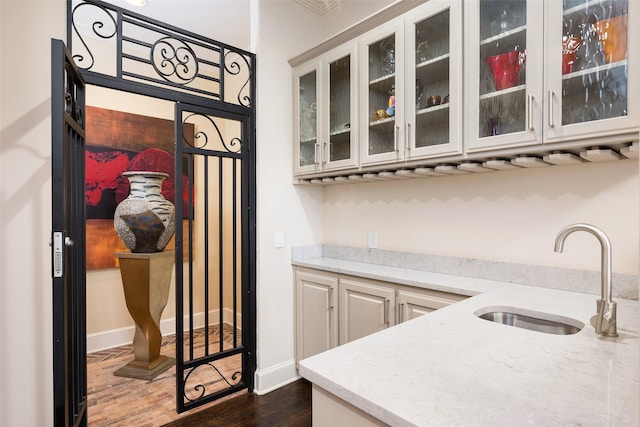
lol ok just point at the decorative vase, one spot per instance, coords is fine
(612, 34)
(145, 220)
(570, 46)
(505, 68)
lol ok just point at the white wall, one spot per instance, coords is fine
(25, 209)
(296, 210)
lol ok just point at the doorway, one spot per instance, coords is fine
(214, 278)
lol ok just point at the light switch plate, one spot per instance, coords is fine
(279, 239)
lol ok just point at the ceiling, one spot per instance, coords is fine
(228, 21)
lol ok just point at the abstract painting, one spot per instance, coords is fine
(117, 142)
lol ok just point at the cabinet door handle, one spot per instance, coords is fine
(323, 153)
(408, 138)
(530, 112)
(330, 299)
(315, 154)
(401, 315)
(395, 139)
(386, 312)
(551, 94)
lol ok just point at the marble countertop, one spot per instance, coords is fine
(452, 368)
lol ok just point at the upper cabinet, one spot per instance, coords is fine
(590, 49)
(325, 105)
(448, 86)
(544, 72)
(381, 111)
(434, 80)
(411, 80)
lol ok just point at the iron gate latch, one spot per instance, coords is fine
(57, 254)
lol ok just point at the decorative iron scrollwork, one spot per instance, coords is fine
(174, 60)
(201, 138)
(233, 67)
(99, 28)
(201, 389)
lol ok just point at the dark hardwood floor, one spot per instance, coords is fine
(288, 406)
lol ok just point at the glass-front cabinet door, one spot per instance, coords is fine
(434, 80)
(325, 106)
(339, 146)
(504, 73)
(307, 105)
(590, 52)
(381, 110)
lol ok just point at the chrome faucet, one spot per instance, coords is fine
(605, 319)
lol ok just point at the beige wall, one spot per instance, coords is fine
(25, 210)
(106, 308)
(509, 216)
(307, 215)
(25, 287)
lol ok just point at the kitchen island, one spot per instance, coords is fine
(451, 367)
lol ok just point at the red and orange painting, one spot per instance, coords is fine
(117, 142)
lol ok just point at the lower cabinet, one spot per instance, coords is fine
(316, 316)
(365, 307)
(412, 304)
(333, 309)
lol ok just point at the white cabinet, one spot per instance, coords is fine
(538, 72)
(316, 313)
(538, 78)
(410, 86)
(334, 309)
(588, 90)
(433, 89)
(365, 308)
(381, 111)
(411, 304)
(325, 105)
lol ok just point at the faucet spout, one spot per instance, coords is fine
(605, 320)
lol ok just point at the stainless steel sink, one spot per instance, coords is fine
(531, 320)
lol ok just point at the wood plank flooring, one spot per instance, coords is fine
(288, 406)
(124, 402)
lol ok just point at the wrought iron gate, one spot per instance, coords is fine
(213, 85)
(68, 240)
(216, 355)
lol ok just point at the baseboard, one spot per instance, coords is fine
(123, 336)
(267, 380)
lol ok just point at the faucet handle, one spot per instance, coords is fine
(604, 321)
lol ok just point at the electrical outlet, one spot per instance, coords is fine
(372, 239)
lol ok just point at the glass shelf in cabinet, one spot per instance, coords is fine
(433, 109)
(382, 79)
(596, 69)
(591, 7)
(502, 92)
(388, 120)
(432, 61)
(339, 132)
(434, 70)
(502, 36)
